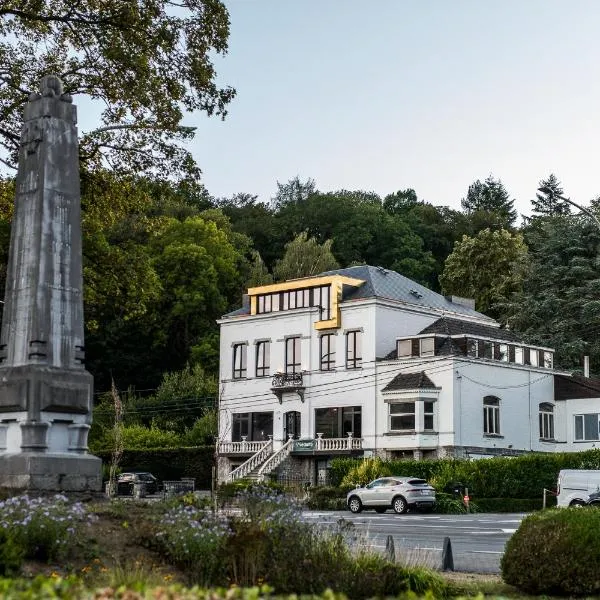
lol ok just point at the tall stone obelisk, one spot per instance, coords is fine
(45, 391)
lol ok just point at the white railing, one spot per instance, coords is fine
(256, 459)
(275, 459)
(242, 447)
(349, 443)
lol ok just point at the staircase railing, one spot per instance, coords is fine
(275, 460)
(256, 459)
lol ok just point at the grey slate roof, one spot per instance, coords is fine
(384, 283)
(449, 326)
(567, 387)
(410, 381)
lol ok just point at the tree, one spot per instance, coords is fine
(147, 62)
(304, 257)
(547, 202)
(488, 267)
(400, 202)
(559, 305)
(489, 203)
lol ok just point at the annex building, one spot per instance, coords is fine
(364, 362)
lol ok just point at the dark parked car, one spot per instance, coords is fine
(125, 482)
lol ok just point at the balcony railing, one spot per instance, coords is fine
(287, 382)
(318, 444)
(243, 447)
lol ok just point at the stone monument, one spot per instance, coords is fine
(45, 391)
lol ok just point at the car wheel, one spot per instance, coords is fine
(399, 505)
(354, 504)
(380, 510)
(577, 503)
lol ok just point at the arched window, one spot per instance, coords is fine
(546, 415)
(491, 415)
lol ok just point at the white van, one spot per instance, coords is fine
(575, 486)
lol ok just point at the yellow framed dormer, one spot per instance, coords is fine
(324, 292)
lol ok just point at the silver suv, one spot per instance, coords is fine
(399, 493)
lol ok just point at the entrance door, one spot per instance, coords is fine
(291, 425)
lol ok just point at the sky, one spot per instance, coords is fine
(382, 95)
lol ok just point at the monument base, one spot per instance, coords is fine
(50, 472)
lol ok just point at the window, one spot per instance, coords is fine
(337, 422)
(546, 416)
(488, 349)
(239, 361)
(321, 299)
(586, 427)
(292, 355)
(533, 357)
(353, 350)
(503, 352)
(548, 360)
(262, 358)
(327, 352)
(256, 426)
(241, 426)
(404, 348)
(472, 348)
(491, 415)
(519, 355)
(426, 346)
(428, 416)
(402, 416)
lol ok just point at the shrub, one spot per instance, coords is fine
(327, 498)
(449, 504)
(556, 551)
(367, 470)
(11, 554)
(193, 539)
(43, 528)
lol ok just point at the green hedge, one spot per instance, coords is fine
(170, 463)
(555, 552)
(522, 477)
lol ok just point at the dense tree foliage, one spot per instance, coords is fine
(146, 62)
(303, 257)
(488, 267)
(547, 201)
(559, 305)
(489, 205)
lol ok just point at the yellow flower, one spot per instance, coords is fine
(168, 577)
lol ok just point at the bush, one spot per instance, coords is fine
(510, 505)
(556, 551)
(41, 528)
(193, 539)
(366, 471)
(11, 554)
(327, 498)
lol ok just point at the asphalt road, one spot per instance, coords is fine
(477, 540)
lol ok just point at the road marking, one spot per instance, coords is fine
(509, 530)
(482, 552)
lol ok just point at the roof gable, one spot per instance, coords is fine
(410, 381)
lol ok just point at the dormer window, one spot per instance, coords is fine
(404, 349)
(472, 348)
(427, 346)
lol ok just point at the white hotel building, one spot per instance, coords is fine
(365, 362)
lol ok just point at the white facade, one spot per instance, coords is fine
(350, 393)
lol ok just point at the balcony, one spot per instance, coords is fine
(318, 445)
(287, 382)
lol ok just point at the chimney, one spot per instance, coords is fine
(466, 302)
(586, 366)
